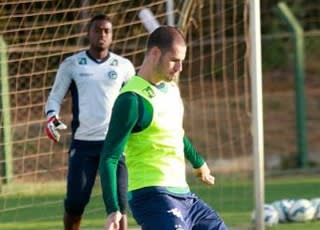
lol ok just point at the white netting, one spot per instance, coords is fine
(214, 83)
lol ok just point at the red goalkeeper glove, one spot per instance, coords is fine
(54, 123)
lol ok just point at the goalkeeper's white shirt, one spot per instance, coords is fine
(94, 87)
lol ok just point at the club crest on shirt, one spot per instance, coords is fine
(114, 62)
(112, 74)
(82, 61)
(149, 91)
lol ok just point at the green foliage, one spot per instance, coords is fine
(276, 53)
(277, 39)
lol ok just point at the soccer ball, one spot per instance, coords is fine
(271, 216)
(282, 207)
(302, 210)
(316, 204)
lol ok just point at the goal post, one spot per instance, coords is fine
(257, 111)
(5, 146)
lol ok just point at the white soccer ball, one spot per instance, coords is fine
(302, 210)
(282, 207)
(271, 216)
(316, 204)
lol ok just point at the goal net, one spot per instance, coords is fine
(38, 34)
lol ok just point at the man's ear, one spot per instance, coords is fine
(155, 53)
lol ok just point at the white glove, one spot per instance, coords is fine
(54, 123)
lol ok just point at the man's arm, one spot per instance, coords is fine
(191, 154)
(201, 168)
(59, 89)
(124, 117)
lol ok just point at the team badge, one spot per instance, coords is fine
(114, 62)
(82, 61)
(149, 91)
(112, 74)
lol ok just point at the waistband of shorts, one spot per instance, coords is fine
(159, 189)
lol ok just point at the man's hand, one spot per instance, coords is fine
(113, 221)
(54, 123)
(204, 174)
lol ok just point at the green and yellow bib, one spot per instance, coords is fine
(155, 155)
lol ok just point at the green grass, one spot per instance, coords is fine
(40, 207)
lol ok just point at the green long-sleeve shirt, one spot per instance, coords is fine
(131, 113)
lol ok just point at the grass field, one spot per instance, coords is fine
(233, 198)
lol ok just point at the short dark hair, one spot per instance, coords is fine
(164, 36)
(98, 17)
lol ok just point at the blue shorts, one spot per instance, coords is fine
(155, 208)
(84, 159)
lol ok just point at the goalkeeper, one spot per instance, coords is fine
(147, 119)
(94, 77)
